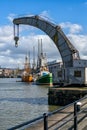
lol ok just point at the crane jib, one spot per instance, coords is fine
(67, 51)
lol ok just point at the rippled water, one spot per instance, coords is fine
(20, 102)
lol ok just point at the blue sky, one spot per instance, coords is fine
(59, 10)
(71, 15)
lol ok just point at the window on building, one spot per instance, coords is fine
(59, 73)
(77, 73)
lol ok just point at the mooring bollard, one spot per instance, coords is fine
(77, 107)
(45, 121)
(75, 116)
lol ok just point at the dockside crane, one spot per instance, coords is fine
(67, 51)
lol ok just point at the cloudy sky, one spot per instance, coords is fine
(70, 15)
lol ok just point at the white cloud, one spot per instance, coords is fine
(73, 28)
(11, 56)
(6, 30)
(11, 16)
(44, 13)
(28, 42)
(80, 42)
(6, 53)
(77, 39)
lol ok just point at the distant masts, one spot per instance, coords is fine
(41, 60)
(39, 53)
(34, 65)
(41, 48)
(29, 59)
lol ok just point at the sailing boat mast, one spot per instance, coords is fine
(41, 60)
(27, 76)
(41, 49)
(27, 63)
(38, 55)
(33, 58)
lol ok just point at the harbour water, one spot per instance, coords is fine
(21, 102)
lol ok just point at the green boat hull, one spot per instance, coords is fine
(45, 80)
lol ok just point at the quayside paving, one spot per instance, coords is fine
(61, 117)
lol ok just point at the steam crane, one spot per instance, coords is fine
(69, 54)
(67, 51)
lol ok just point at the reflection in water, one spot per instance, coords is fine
(32, 101)
(20, 102)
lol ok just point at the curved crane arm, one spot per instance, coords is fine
(67, 51)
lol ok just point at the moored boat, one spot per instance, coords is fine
(45, 78)
(27, 76)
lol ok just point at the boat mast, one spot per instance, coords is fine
(33, 58)
(29, 60)
(27, 64)
(38, 56)
(41, 49)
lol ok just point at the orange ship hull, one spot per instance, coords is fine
(27, 78)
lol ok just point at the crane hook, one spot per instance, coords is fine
(16, 38)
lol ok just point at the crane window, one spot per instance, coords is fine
(59, 73)
(77, 73)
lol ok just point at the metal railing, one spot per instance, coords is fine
(78, 107)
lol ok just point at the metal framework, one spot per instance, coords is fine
(67, 51)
